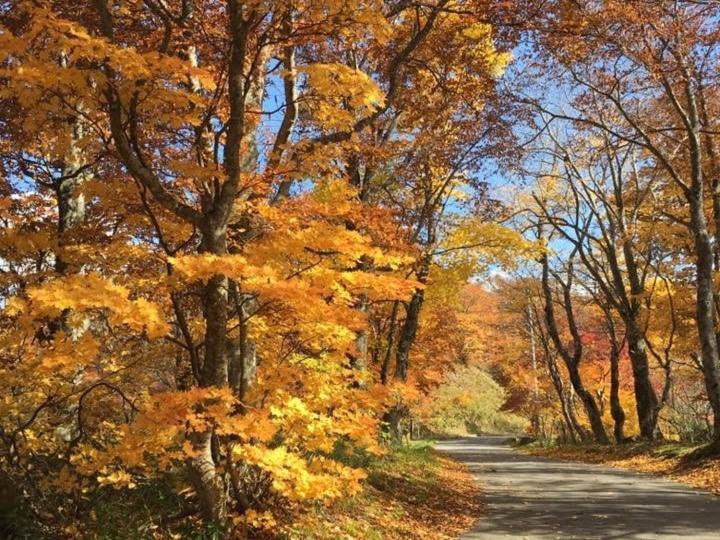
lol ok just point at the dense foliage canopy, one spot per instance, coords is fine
(245, 245)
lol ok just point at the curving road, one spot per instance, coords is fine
(534, 498)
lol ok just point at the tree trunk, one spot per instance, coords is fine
(573, 428)
(393, 418)
(408, 331)
(385, 368)
(359, 361)
(589, 404)
(705, 308)
(616, 410)
(209, 482)
(570, 404)
(70, 200)
(646, 400)
(242, 353)
(535, 418)
(71, 212)
(571, 360)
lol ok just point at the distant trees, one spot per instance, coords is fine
(469, 401)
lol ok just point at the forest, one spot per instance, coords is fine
(250, 248)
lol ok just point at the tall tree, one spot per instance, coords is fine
(571, 356)
(652, 65)
(600, 194)
(241, 227)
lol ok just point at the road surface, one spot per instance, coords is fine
(535, 498)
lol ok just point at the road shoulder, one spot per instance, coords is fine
(670, 460)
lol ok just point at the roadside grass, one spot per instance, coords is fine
(411, 493)
(671, 459)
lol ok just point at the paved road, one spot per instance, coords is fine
(533, 498)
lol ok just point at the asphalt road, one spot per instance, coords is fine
(533, 498)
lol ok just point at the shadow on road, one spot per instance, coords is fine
(529, 497)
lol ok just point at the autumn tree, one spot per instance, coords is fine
(643, 74)
(208, 196)
(599, 195)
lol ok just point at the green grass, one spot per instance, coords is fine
(412, 467)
